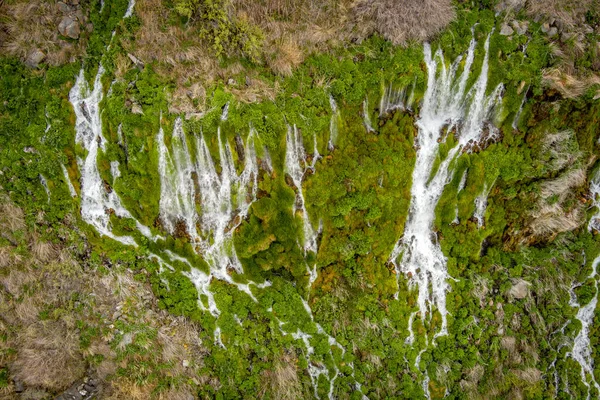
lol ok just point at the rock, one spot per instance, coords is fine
(138, 63)
(553, 31)
(506, 30)
(69, 27)
(63, 8)
(30, 150)
(231, 82)
(507, 5)
(520, 289)
(185, 363)
(34, 58)
(136, 109)
(79, 15)
(520, 27)
(545, 27)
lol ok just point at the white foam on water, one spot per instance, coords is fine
(68, 181)
(446, 104)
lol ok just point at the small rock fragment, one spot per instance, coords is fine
(506, 30)
(34, 58)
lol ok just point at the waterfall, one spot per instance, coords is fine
(446, 104)
(224, 198)
(44, 183)
(518, 114)
(392, 99)
(68, 181)
(98, 200)
(366, 117)
(582, 348)
(296, 167)
(481, 205)
(177, 193)
(333, 124)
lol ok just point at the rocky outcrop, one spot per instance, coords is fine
(69, 27)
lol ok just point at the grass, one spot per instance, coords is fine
(63, 321)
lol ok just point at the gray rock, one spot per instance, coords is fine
(34, 58)
(69, 27)
(520, 26)
(545, 27)
(520, 289)
(553, 31)
(63, 8)
(506, 30)
(138, 63)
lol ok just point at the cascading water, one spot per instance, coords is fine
(68, 181)
(366, 117)
(333, 124)
(296, 167)
(447, 106)
(481, 205)
(97, 202)
(582, 348)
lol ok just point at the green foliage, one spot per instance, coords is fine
(226, 35)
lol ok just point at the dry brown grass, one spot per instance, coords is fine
(569, 83)
(48, 356)
(30, 25)
(282, 381)
(40, 320)
(406, 20)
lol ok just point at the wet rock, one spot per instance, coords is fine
(69, 27)
(239, 148)
(506, 30)
(34, 58)
(520, 289)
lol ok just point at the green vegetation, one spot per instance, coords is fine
(501, 343)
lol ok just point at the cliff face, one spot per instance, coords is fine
(258, 199)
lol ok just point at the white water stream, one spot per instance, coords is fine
(582, 348)
(447, 104)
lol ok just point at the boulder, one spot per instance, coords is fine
(506, 30)
(69, 27)
(63, 8)
(34, 58)
(520, 289)
(520, 27)
(136, 61)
